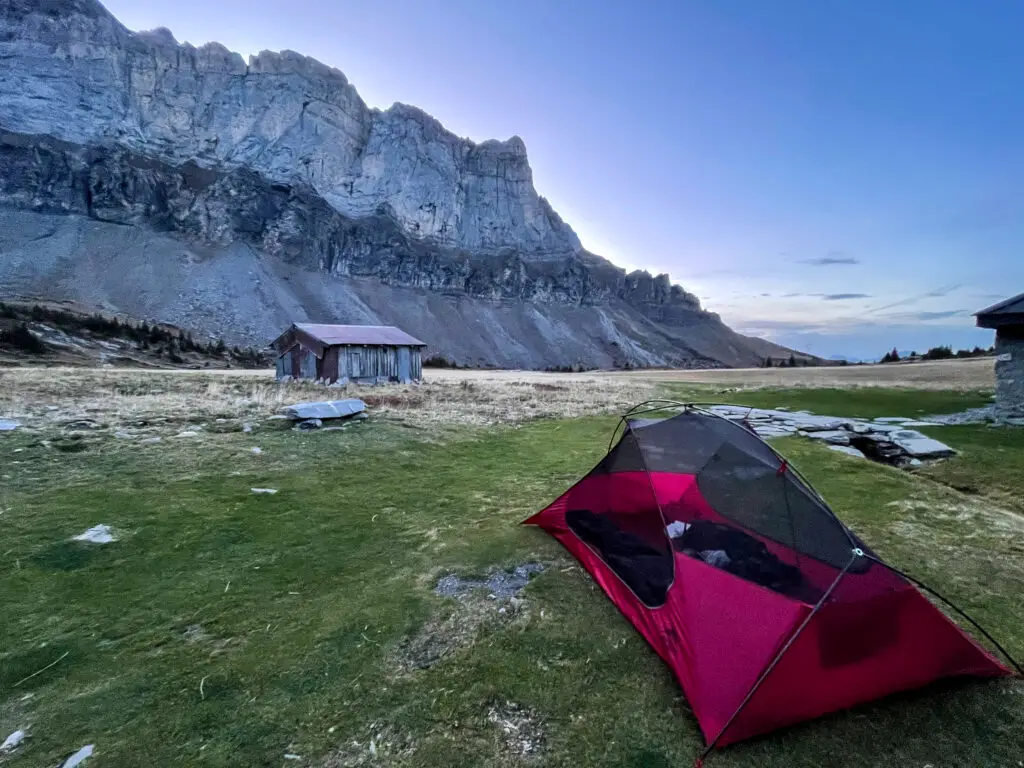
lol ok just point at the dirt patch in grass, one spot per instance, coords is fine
(499, 585)
(520, 732)
(478, 605)
(455, 629)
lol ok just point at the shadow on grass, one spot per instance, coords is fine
(67, 555)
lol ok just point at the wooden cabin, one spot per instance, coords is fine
(364, 354)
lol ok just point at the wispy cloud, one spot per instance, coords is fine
(831, 259)
(845, 296)
(944, 290)
(925, 316)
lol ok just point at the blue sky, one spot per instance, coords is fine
(841, 176)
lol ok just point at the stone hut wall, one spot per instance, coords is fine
(1010, 371)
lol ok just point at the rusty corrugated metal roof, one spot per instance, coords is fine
(387, 335)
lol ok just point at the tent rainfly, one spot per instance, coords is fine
(767, 608)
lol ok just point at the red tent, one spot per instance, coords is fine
(767, 608)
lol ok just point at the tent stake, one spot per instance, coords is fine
(778, 657)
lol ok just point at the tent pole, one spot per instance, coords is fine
(636, 410)
(778, 657)
(952, 605)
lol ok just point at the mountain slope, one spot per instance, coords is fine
(184, 184)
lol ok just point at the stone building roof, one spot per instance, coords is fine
(1008, 312)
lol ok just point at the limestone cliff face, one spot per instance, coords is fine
(280, 155)
(75, 73)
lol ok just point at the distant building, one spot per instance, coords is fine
(365, 354)
(1007, 318)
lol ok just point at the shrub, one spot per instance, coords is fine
(21, 338)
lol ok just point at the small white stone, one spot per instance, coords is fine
(264, 490)
(79, 757)
(12, 742)
(98, 534)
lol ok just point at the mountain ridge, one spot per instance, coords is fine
(280, 165)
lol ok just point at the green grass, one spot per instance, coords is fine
(991, 463)
(228, 628)
(864, 402)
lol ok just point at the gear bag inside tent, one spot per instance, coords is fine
(766, 607)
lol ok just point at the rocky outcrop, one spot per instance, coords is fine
(72, 71)
(293, 223)
(279, 155)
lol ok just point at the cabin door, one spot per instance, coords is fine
(404, 365)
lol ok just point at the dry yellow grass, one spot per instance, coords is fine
(47, 397)
(116, 398)
(947, 374)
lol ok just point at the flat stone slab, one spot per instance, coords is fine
(9, 425)
(327, 409)
(907, 434)
(848, 450)
(924, 447)
(889, 439)
(782, 430)
(832, 437)
(820, 424)
(886, 428)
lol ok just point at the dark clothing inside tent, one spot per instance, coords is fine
(767, 608)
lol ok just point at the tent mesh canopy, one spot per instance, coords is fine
(766, 607)
(742, 509)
